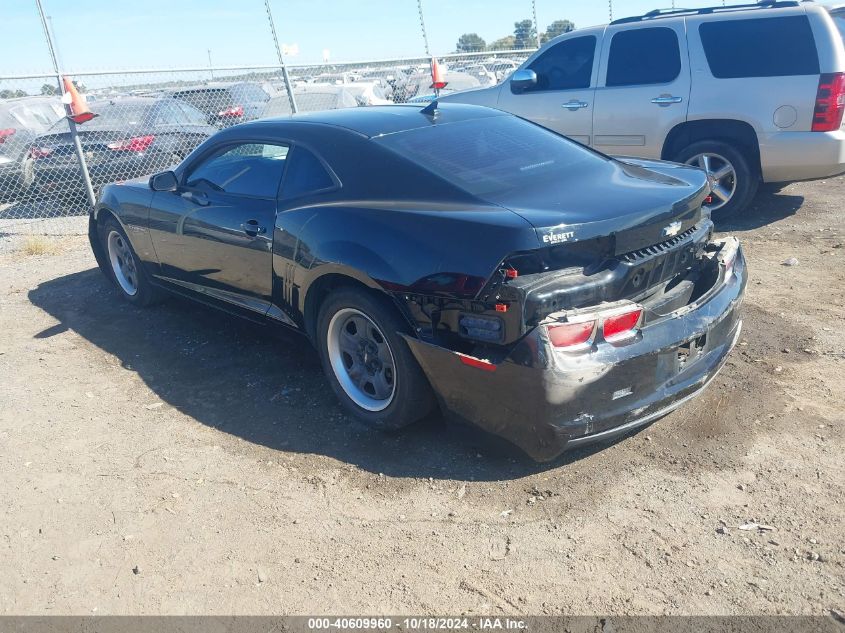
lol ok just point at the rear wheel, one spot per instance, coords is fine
(124, 267)
(733, 182)
(370, 367)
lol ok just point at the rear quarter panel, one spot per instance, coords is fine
(753, 100)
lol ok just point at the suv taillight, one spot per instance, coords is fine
(830, 102)
(4, 134)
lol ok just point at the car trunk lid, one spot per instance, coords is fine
(633, 204)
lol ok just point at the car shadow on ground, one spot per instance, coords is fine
(264, 386)
(768, 206)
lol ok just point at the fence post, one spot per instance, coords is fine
(285, 75)
(80, 155)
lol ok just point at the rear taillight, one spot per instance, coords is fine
(621, 326)
(4, 134)
(135, 144)
(234, 111)
(830, 102)
(571, 334)
(39, 152)
(615, 325)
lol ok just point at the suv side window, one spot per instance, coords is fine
(643, 56)
(762, 47)
(565, 66)
(305, 174)
(250, 169)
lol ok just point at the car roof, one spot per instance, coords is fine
(123, 101)
(379, 120)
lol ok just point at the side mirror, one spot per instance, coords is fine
(523, 79)
(165, 181)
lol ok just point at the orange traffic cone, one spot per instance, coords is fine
(436, 78)
(79, 112)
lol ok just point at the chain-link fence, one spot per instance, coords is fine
(149, 120)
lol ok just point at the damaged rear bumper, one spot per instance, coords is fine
(545, 400)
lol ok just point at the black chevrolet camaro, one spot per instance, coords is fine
(454, 256)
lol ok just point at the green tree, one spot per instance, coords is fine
(6, 94)
(470, 43)
(504, 44)
(80, 87)
(48, 89)
(524, 33)
(558, 27)
(20, 93)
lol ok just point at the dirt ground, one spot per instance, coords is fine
(177, 461)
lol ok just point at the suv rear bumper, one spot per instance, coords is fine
(790, 156)
(545, 400)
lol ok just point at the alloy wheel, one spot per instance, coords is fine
(361, 359)
(721, 175)
(123, 263)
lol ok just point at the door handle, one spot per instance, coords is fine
(196, 197)
(574, 105)
(664, 100)
(251, 227)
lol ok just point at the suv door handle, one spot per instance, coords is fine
(574, 105)
(664, 100)
(251, 227)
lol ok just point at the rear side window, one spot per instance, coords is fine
(565, 66)
(839, 20)
(771, 47)
(643, 56)
(251, 169)
(494, 156)
(305, 174)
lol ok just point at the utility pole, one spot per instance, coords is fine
(210, 65)
(80, 155)
(610, 9)
(422, 26)
(536, 26)
(285, 75)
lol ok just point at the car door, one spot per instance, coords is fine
(644, 87)
(214, 233)
(562, 98)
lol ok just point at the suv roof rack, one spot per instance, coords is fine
(663, 13)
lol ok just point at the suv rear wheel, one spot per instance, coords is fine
(732, 180)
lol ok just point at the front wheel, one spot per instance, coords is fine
(733, 183)
(123, 266)
(370, 367)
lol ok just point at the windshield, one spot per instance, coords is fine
(493, 156)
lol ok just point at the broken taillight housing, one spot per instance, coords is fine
(571, 334)
(616, 324)
(621, 326)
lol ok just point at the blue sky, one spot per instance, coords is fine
(103, 34)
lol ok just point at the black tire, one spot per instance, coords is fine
(145, 292)
(412, 398)
(747, 177)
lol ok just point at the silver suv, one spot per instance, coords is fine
(749, 93)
